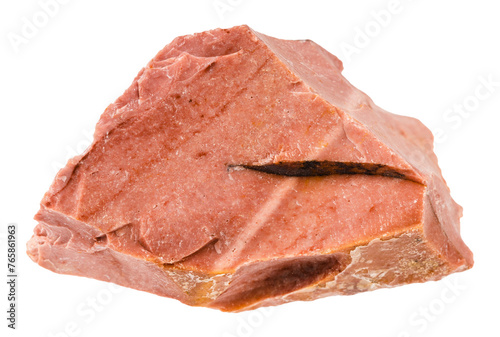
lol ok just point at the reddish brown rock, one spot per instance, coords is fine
(239, 170)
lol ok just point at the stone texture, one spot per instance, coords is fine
(240, 170)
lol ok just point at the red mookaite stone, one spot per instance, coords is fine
(240, 170)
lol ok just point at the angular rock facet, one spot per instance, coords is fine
(239, 170)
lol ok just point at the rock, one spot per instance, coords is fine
(240, 170)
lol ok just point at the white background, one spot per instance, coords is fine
(426, 59)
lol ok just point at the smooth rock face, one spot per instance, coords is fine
(239, 170)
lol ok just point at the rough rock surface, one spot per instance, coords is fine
(240, 170)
